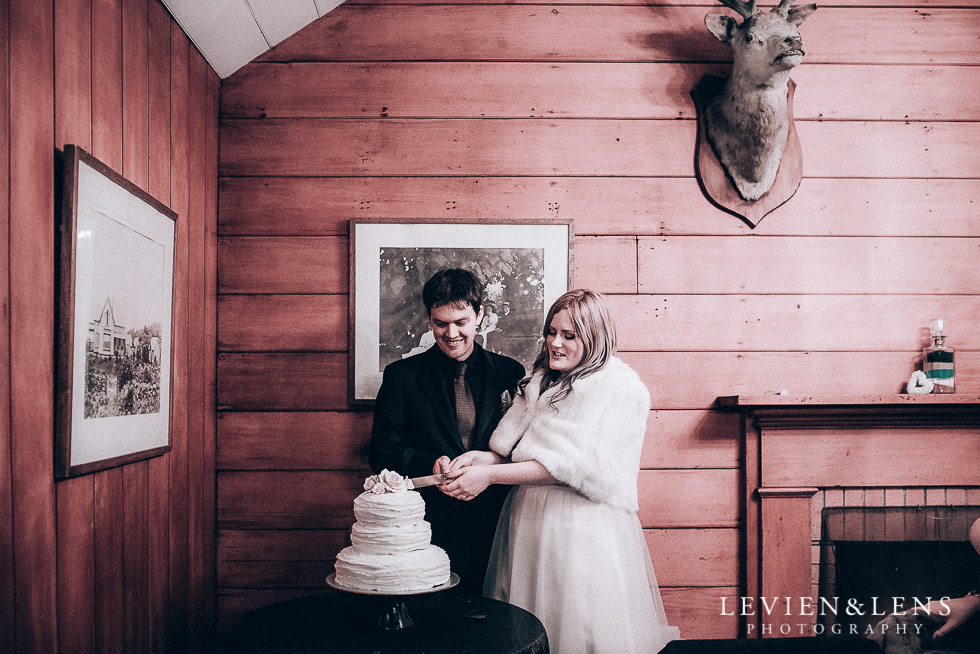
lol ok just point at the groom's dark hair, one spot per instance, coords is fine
(454, 286)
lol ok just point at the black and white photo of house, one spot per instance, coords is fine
(513, 299)
(124, 345)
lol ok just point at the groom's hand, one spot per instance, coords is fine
(441, 466)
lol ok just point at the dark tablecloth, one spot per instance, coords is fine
(447, 622)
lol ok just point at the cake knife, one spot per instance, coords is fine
(431, 480)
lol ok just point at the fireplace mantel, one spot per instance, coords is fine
(792, 446)
(856, 411)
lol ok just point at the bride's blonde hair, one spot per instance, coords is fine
(593, 327)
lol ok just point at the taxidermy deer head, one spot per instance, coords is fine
(747, 124)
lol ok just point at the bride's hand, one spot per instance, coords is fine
(469, 482)
(473, 458)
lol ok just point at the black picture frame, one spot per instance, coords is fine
(115, 320)
(525, 265)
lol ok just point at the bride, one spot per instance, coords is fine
(569, 546)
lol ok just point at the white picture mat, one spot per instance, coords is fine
(370, 238)
(101, 200)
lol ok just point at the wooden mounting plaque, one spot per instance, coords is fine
(715, 182)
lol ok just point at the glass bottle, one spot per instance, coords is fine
(938, 360)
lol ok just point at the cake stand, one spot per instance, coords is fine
(395, 616)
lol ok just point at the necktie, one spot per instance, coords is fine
(465, 409)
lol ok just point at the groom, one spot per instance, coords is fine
(436, 405)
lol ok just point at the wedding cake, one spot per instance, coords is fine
(391, 544)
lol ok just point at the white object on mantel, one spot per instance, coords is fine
(919, 384)
(231, 33)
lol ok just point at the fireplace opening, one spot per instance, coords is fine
(897, 555)
(899, 573)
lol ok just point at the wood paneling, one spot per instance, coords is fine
(698, 611)
(688, 498)
(320, 206)
(677, 380)
(282, 381)
(178, 621)
(485, 111)
(107, 613)
(135, 572)
(318, 440)
(785, 549)
(237, 546)
(273, 265)
(456, 147)
(76, 497)
(76, 560)
(690, 439)
(158, 546)
(613, 33)
(136, 490)
(32, 264)
(870, 457)
(107, 67)
(250, 323)
(306, 499)
(286, 265)
(807, 265)
(8, 622)
(576, 90)
(196, 351)
(694, 557)
(566, 147)
(73, 73)
(833, 323)
(208, 516)
(692, 380)
(159, 100)
(290, 500)
(687, 557)
(329, 440)
(607, 262)
(93, 563)
(842, 323)
(135, 93)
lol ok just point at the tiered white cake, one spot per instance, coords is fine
(391, 543)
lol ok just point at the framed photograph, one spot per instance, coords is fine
(525, 267)
(115, 320)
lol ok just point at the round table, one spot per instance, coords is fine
(447, 622)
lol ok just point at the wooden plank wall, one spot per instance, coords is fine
(120, 560)
(487, 110)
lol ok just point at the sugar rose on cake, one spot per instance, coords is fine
(391, 546)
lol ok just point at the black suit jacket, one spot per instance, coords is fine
(415, 424)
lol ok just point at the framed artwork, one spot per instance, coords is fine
(115, 320)
(525, 267)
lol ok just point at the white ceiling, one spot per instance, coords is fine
(231, 33)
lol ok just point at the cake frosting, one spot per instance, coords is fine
(391, 543)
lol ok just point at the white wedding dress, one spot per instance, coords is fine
(573, 553)
(583, 568)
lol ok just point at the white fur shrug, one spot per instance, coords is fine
(592, 443)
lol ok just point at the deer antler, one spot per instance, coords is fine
(783, 7)
(745, 9)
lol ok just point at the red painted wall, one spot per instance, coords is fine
(529, 111)
(120, 560)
